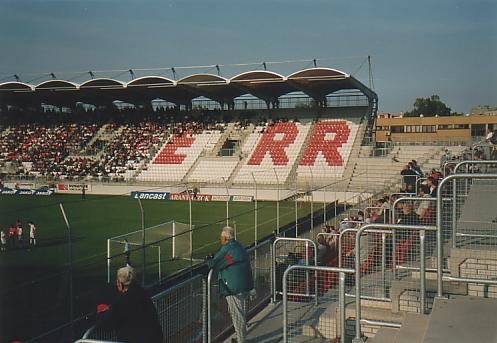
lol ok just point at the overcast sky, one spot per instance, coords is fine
(417, 48)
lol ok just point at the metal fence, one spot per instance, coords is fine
(466, 238)
(181, 310)
(360, 276)
(293, 251)
(193, 311)
(300, 314)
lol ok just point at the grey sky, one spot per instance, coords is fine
(418, 48)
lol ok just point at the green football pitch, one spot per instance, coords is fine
(94, 220)
(35, 280)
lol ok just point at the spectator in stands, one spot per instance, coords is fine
(432, 184)
(323, 251)
(447, 156)
(232, 263)
(385, 208)
(408, 189)
(416, 168)
(133, 314)
(491, 139)
(423, 208)
(409, 176)
(436, 174)
(406, 215)
(405, 238)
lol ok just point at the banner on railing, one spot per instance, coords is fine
(38, 191)
(242, 198)
(238, 198)
(190, 196)
(71, 187)
(220, 198)
(150, 195)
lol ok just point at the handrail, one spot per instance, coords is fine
(439, 220)
(341, 287)
(343, 232)
(392, 218)
(381, 323)
(209, 306)
(85, 340)
(469, 280)
(473, 162)
(421, 230)
(475, 235)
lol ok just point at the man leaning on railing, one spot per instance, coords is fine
(232, 264)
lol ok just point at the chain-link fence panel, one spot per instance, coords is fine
(293, 251)
(320, 318)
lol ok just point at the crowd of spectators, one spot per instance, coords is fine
(44, 146)
(135, 144)
(64, 151)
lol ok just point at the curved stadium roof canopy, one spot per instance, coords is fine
(317, 83)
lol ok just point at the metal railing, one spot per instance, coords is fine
(341, 295)
(451, 232)
(290, 251)
(411, 217)
(468, 163)
(181, 310)
(378, 288)
(388, 227)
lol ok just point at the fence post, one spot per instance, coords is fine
(341, 300)
(454, 209)
(383, 262)
(205, 318)
(209, 306)
(422, 298)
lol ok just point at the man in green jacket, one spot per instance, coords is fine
(232, 264)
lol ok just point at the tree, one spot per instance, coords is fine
(429, 107)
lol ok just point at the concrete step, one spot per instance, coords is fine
(462, 319)
(371, 313)
(384, 335)
(413, 328)
(400, 289)
(305, 339)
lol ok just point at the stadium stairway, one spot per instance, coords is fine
(448, 322)
(378, 174)
(224, 136)
(465, 313)
(100, 133)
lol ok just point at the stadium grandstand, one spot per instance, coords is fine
(414, 245)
